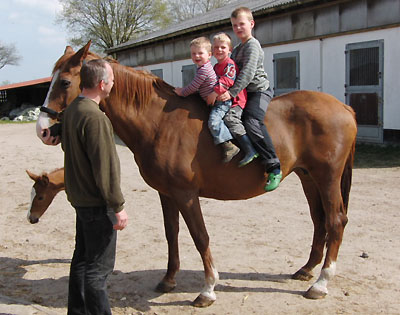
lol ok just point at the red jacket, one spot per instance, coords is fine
(227, 72)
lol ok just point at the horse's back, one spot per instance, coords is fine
(309, 126)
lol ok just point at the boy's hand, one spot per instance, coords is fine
(178, 91)
(224, 97)
(211, 98)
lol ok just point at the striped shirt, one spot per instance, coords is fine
(203, 82)
(250, 59)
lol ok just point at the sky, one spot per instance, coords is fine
(30, 26)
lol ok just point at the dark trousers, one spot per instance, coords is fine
(253, 120)
(92, 262)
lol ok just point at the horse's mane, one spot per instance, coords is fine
(136, 86)
(131, 85)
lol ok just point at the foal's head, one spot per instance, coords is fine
(44, 190)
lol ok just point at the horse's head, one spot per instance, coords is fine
(43, 193)
(63, 89)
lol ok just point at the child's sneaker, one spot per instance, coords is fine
(273, 181)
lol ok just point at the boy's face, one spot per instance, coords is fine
(242, 27)
(200, 55)
(221, 50)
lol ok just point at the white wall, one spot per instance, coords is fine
(322, 67)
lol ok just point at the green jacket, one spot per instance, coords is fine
(92, 167)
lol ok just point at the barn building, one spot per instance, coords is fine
(31, 92)
(347, 48)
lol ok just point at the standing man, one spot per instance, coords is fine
(92, 184)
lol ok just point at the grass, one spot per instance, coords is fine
(376, 156)
(3, 122)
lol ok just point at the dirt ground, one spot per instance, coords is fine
(256, 244)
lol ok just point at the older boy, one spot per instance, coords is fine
(249, 56)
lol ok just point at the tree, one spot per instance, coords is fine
(181, 10)
(8, 55)
(109, 23)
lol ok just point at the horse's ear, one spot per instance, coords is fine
(81, 54)
(44, 179)
(32, 176)
(68, 50)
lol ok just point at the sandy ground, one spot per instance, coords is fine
(257, 244)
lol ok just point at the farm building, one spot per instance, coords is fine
(28, 93)
(347, 48)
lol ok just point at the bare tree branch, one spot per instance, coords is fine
(8, 55)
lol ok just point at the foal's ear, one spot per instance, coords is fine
(32, 176)
(44, 179)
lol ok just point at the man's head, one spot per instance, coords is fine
(97, 74)
(200, 50)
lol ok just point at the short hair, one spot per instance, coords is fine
(92, 72)
(202, 42)
(223, 37)
(242, 10)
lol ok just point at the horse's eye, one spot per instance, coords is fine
(40, 198)
(65, 84)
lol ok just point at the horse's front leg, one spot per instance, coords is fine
(189, 206)
(171, 225)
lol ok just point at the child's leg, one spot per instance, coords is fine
(233, 120)
(253, 120)
(220, 131)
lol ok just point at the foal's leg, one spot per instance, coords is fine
(335, 221)
(318, 218)
(189, 205)
(171, 225)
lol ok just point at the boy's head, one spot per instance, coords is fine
(242, 23)
(200, 50)
(222, 46)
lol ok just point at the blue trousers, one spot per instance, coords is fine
(218, 129)
(93, 260)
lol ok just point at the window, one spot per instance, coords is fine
(188, 73)
(158, 73)
(3, 96)
(286, 72)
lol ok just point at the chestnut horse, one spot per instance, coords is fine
(45, 188)
(314, 135)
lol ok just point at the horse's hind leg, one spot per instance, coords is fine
(171, 225)
(318, 218)
(335, 221)
(189, 205)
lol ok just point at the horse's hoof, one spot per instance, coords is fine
(302, 275)
(165, 287)
(315, 293)
(202, 301)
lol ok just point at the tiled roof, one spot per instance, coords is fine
(214, 17)
(26, 83)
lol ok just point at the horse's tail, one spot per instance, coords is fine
(347, 176)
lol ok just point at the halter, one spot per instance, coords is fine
(52, 113)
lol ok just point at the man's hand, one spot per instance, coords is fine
(122, 220)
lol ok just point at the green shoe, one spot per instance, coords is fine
(273, 181)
